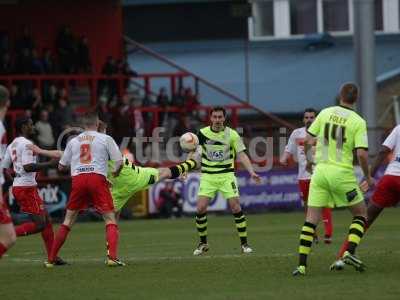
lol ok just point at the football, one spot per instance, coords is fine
(188, 142)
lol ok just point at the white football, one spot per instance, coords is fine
(188, 141)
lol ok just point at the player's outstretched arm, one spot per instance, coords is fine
(244, 159)
(35, 167)
(48, 153)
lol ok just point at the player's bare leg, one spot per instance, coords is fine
(306, 238)
(7, 237)
(112, 237)
(241, 224)
(201, 225)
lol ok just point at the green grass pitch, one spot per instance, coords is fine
(161, 265)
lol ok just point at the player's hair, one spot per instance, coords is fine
(4, 96)
(310, 110)
(20, 122)
(218, 108)
(349, 93)
(90, 119)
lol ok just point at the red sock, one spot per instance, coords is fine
(59, 240)
(3, 249)
(26, 229)
(343, 248)
(327, 219)
(112, 235)
(48, 237)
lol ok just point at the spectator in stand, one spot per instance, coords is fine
(109, 87)
(170, 203)
(103, 110)
(50, 94)
(37, 63)
(148, 101)
(52, 116)
(17, 99)
(66, 50)
(125, 69)
(178, 99)
(25, 42)
(121, 120)
(110, 67)
(138, 120)
(6, 67)
(177, 102)
(62, 94)
(35, 103)
(163, 103)
(191, 102)
(48, 62)
(44, 131)
(64, 116)
(83, 56)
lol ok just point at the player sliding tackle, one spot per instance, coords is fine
(387, 190)
(339, 130)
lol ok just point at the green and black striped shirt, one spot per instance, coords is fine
(219, 149)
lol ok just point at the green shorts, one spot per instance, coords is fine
(226, 183)
(131, 181)
(333, 186)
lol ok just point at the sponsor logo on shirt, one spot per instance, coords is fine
(85, 169)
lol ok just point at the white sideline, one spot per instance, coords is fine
(156, 258)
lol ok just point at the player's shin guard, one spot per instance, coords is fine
(201, 225)
(59, 240)
(241, 226)
(3, 249)
(356, 232)
(345, 245)
(181, 168)
(306, 239)
(48, 237)
(112, 237)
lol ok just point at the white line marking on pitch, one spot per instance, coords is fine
(157, 258)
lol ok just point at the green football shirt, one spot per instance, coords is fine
(339, 130)
(219, 149)
(125, 176)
